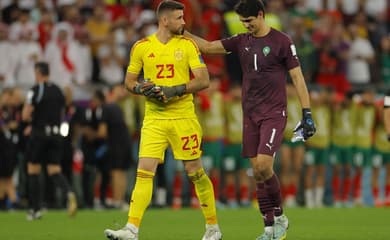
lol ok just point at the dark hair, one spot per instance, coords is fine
(99, 94)
(249, 8)
(168, 5)
(42, 67)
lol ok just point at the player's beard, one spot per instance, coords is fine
(178, 31)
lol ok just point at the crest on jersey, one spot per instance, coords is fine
(266, 50)
(178, 54)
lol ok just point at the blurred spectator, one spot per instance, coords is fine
(29, 52)
(23, 25)
(72, 16)
(119, 146)
(93, 145)
(10, 11)
(213, 21)
(98, 27)
(332, 62)
(292, 153)
(8, 61)
(62, 54)
(305, 48)
(342, 134)
(385, 60)
(116, 9)
(308, 15)
(45, 27)
(361, 55)
(235, 167)
(363, 141)
(111, 60)
(41, 7)
(82, 87)
(10, 119)
(211, 117)
(317, 154)
(381, 154)
(276, 16)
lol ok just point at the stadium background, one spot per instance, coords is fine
(95, 53)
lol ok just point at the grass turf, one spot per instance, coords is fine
(187, 224)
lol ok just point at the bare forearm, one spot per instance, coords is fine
(387, 120)
(130, 83)
(207, 47)
(303, 94)
(300, 86)
(196, 86)
(202, 43)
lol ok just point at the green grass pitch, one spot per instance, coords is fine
(187, 224)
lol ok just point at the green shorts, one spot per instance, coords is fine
(316, 156)
(341, 155)
(233, 160)
(212, 154)
(380, 158)
(362, 157)
(290, 144)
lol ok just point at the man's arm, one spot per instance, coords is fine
(27, 112)
(207, 47)
(200, 81)
(133, 86)
(131, 81)
(306, 127)
(300, 86)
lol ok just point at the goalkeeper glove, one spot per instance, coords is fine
(306, 126)
(166, 93)
(144, 88)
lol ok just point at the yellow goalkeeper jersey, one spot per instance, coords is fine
(167, 65)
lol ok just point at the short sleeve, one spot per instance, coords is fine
(136, 63)
(231, 43)
(195, 59)
(290, 54)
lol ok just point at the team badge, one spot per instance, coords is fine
(178, 54)
(266, 50)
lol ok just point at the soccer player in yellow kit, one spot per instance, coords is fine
(166, 58)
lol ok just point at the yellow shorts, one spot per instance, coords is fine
(184, 136)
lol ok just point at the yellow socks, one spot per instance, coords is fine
(141, 196)
(204, 191)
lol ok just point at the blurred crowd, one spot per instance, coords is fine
(344, 50)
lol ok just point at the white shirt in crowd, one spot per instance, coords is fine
(59, 73)
(8, 63)
(358, 69)
(28, 52)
